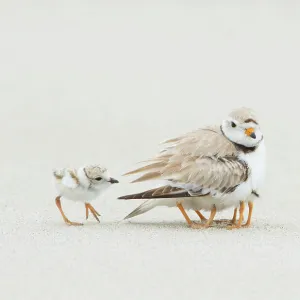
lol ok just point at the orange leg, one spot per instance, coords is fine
(93, 211)
(250, 205)
(200, 215)
(188, 220)
(67, 221)
(209, 221)
(241, 217)
(234, 216)
(86, 212)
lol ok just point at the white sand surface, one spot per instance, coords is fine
(106, 82)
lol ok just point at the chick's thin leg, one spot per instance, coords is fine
(250, 206)
(226, 221)
(233, 220)
(200, 215)
(241, 217)
(208, 222)
(86, 211)
(92, 210)
(67, 221)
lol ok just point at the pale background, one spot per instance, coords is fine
(106, 82)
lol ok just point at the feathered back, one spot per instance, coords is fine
(198, 159)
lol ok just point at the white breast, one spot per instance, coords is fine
(257, 166)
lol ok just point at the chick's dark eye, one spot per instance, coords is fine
(233, 124)
(98, 178)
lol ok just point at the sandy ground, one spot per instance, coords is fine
(99, 83)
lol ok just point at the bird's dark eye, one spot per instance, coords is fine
(233, 124)
(98, 178)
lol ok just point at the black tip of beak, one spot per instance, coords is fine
(253, 135)
(112, 180)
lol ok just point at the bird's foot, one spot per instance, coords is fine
(89, 207)
(234, 226)
(68, 222)
(199, 225)
(223, 221)
(246, 225)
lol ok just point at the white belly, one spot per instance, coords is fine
(206, 203)
(79, 194)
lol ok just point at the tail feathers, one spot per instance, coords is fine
(152, 166)
(161, 192)
(144, 207)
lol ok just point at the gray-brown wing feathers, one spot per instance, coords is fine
(196, 162)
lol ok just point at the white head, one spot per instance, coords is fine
(241, 127)
(98, 176)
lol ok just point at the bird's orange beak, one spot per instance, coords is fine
(250, 132)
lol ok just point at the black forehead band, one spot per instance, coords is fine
(250, 120)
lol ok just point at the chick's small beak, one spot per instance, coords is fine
(250, 132)
(112, 180)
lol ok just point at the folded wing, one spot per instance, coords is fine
(195, 164)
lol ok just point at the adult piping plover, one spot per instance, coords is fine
(84, 185)
(212, 168)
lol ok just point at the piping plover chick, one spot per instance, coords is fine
(82, 185)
